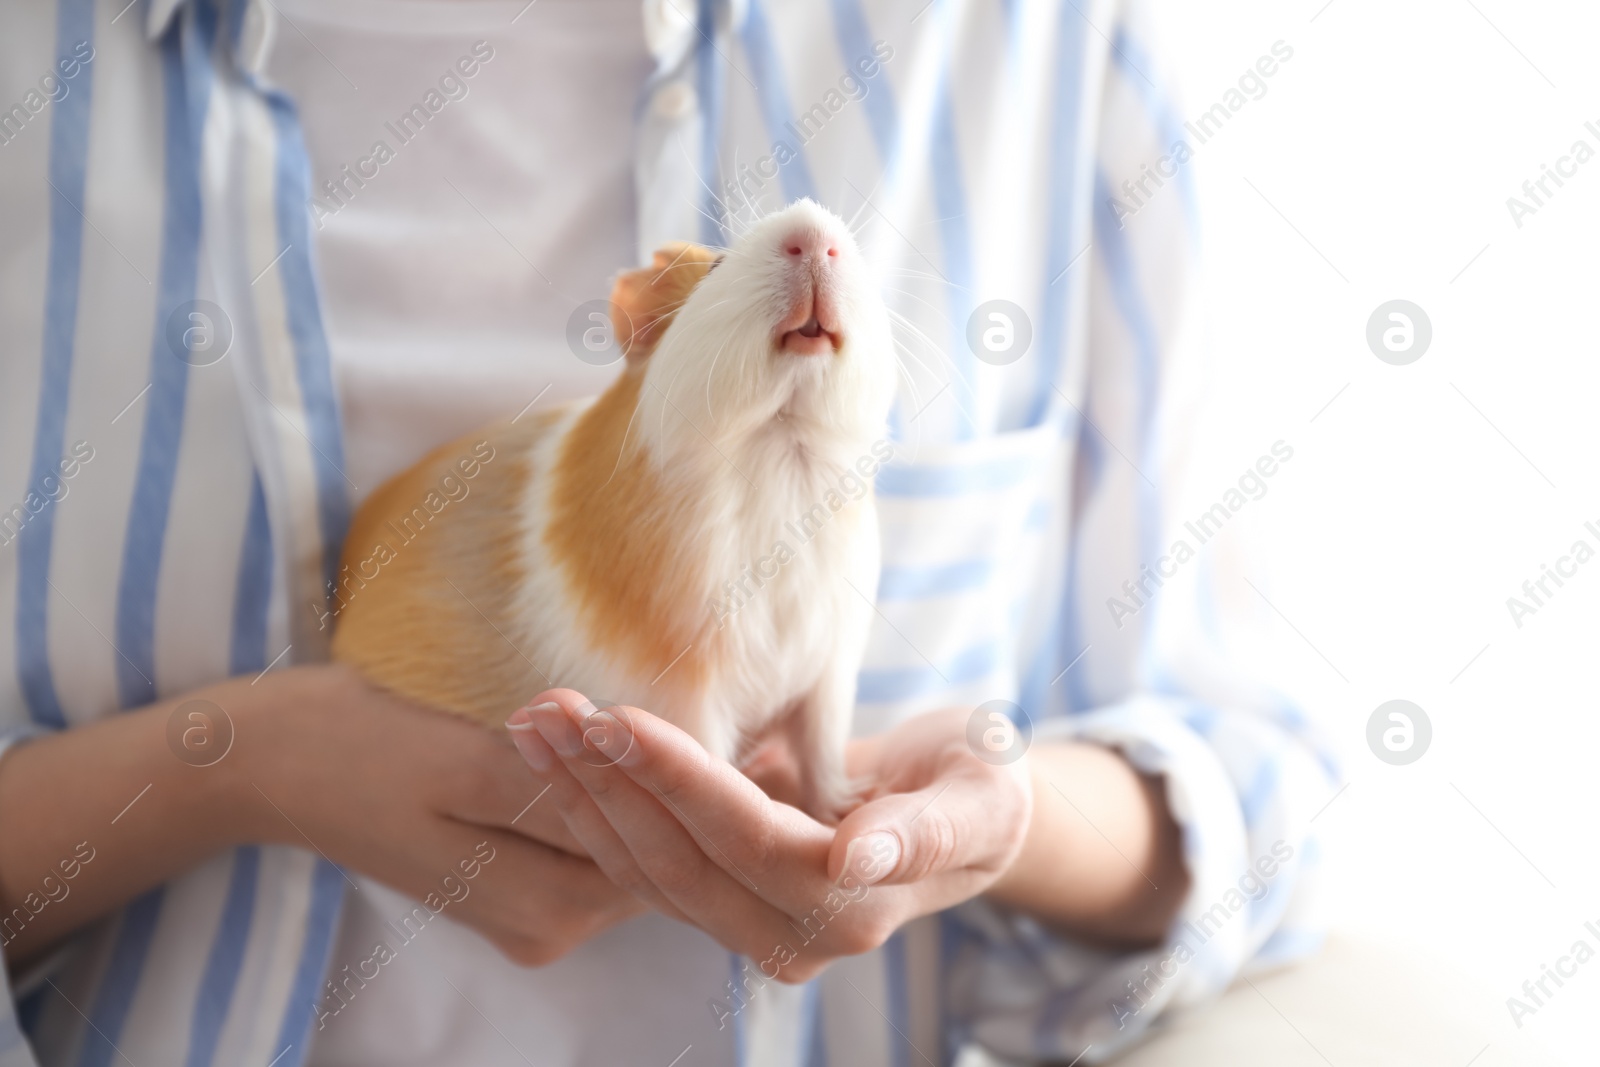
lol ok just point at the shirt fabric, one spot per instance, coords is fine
(447, 239)
(977, 147)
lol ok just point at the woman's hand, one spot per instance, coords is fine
(406, 794)
(319, 760)
(697, 839)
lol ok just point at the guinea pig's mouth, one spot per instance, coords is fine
(809, 339)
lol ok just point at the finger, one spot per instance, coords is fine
(944, 827)
(480, 777)
(582, 816)
(747, 834)
(733, 911)
(513, 799)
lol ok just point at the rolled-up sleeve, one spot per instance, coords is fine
(1161, 606)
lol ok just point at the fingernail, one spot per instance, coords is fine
(522, 718)
(871, 857)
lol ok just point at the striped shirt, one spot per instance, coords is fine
(155, 185)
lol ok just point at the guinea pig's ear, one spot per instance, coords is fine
(644, 301)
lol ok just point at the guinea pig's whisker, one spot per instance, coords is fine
(866, 202)
(710, 373)
(924, 275)
(925, 303)
(945, 383)
(912, 356)
(673, 306)
(720, 224)
(938, 351)
(622, 449)
(905, 322)
(911, 383)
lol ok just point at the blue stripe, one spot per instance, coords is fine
(69, 149)
(215, 997)
(767, 69)
(950, 214)
(186, 80)
(1202, 719)
(252, 593)
(951, 1026)
(1261, 789)
(1063, 213)
(120, 982)
(1286, 945)
(1135, 64)
(1131, 305)
(904, 683)
(915, 583)
(10, 1026)
(237, 9)
(327, 897)
(1112, 243)
(1089, 472)
(740, 1033)
(855, 42)
(894, 967)
(711, 84)
(986, 476)
(252, 598)
(313, 368)
(813, 1048)
(29, 1008)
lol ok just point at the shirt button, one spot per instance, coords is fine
(676, 100)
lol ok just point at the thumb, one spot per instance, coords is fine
(900, 838)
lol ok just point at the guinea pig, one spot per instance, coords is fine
(700, 540)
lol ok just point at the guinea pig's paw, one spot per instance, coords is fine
(828, 795)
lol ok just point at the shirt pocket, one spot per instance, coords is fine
(974, 547)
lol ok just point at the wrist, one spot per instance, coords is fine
(1102, 859)
(275, 722)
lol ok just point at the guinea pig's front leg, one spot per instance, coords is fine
(823, 721)
(825, 717)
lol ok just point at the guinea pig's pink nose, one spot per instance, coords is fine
(810, 243)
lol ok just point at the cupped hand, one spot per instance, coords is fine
(698, 840)
(416, 799)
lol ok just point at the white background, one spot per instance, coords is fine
(1423, 496)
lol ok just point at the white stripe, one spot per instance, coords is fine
(205, 528)
(158, 1020)
(272, 395)
(116, 314)
(283, 901)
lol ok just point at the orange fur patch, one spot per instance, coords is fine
(428, 599)
(432, 613)
(619, 537)
(612, 527)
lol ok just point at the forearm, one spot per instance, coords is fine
(1102, 860)
(116, 792)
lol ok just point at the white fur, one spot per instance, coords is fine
(753, 438)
